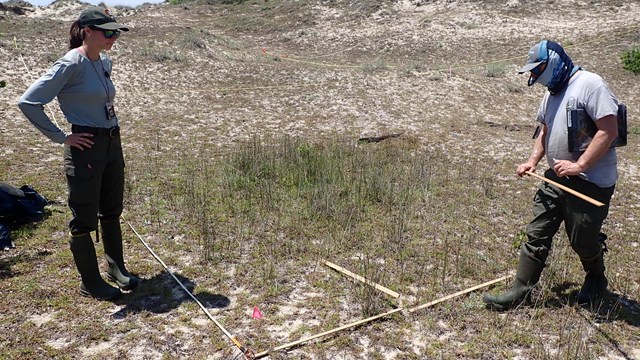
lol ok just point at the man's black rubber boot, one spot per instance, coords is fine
(84, 255)
(595, 282)
(112, 242)
(527, 276)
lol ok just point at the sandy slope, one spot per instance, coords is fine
(188, 75)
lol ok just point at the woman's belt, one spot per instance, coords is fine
(110, 132)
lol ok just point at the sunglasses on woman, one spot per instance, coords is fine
(109, 33)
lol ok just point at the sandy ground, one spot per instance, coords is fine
(359, 69)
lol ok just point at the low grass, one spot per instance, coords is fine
(246, 223)
(287, 199)
(254, 220)
(494, 70)
(631, 60)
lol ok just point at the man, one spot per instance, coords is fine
(591, 170)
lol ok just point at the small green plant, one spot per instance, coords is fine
(515, 88)
(3, 84)
(52, 57)
(436, 76)
(631, 60)
(412, 66)
(566, 43)
(194, 40)
(161, 55)
(373, 65)
(519, 239)
(495, 70)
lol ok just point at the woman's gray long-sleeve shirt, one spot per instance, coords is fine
(81, 86)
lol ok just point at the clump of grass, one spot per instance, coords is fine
(412, 66)
(370, 300)
(495, 70)
(161, 55)
(374, 65)
(567, 43)
(514, 88)
(631, 60)
(194, 40)
(268, 207)
(436, 75)
(51, 57)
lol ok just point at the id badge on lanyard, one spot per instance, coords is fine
(111, 112)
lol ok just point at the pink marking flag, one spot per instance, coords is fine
(256, 313)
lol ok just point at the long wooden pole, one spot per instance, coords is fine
(343, 327)
(247, 352)
(360, 278)
(434, 302)
(567, 189)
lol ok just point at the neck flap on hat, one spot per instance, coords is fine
(559, 69)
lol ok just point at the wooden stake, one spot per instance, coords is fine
(343, 327)
(434, 302)
(291, 344)
(361, 279)
(569, 190)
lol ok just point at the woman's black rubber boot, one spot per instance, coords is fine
(84, 255)
(112, 241)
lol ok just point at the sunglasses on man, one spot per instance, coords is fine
(539, 69)
(109, 33)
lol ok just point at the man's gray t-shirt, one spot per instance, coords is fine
(81, 86)
(587, 91)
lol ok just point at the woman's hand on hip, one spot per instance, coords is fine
(80, 140)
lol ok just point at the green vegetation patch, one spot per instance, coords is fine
(631, 60)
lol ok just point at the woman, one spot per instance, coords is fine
(93, 159)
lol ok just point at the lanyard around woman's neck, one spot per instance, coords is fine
(104, 85)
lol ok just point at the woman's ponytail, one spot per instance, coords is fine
(76, 36)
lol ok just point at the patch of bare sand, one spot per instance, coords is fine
(429, 86)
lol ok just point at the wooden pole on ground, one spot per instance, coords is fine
(448, 297)
(329, 332)
(361, 279)
(567, 189)
(247, 352)
(343, 327)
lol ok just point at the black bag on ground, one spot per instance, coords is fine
(5, 238)
(20, 205)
